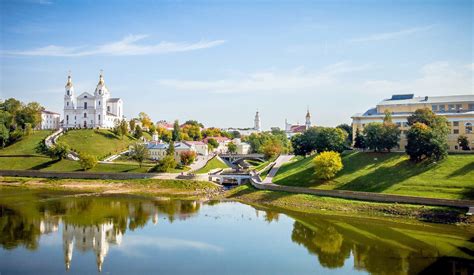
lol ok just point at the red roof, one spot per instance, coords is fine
(195, 143)
(298, 128)
(218, 139)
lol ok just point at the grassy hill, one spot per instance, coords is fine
(388, 173)
(25, 146)
(214, 163)
(100, 143)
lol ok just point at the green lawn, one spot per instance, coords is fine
(214, 163)
(389, 173)
(25, 146)
(100, 143)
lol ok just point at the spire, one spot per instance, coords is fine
(308, 115)
(69, 80)
(101, 77)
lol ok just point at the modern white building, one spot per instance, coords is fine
(49, 120)
(86, 110)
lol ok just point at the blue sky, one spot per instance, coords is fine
(220, 61)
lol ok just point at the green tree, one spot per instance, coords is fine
(176, 135)
(87, 161)
(427, 137)
(359, 140)
(165, 164)
(144, 119)
(212, 144)
(373, 133)
(132, 124)
(327, 164)
(139, 152)
(390, 133)
(28, 129)
(138, 132)
(59, 151)
(348, 129)
(301, 146)
(329, 139)
(463, 142)
(4, 135)
(170, 151)
(121, 128)
(231, 147)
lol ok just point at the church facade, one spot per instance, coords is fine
(293, 129)
(86, 110)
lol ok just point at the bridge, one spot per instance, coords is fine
(233, 158)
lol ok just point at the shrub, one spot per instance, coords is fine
(327, 164)
(165, 164)
(59, 151)
(463, 142)
(87, 161)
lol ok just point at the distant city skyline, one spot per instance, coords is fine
(219, 62)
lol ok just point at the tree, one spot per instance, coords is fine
(87, 161)
(359, 140)
(132, 124)
(165, 164)
(300, 145)
(373, 136)
(121, 128)
(231, 147)
(348, 129)
(194, 122)
(463, 142)
(164, 134)
(152, 129)
(139, 152)
(192, 131)
(427, 137)
(144, 119)
(176, 135)
(327, 164)
(390, 133)
(329, 139)
(31, 113)
(138, 132)
(28, 129)
(4, 135)
(187, 157)
(170, 151)
(272, 148)
(59, 151)
(212, 144)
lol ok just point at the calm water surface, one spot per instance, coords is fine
(43, 232)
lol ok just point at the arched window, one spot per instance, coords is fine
(468, 128)
(67, 118)
(85, 105)
(85, 114)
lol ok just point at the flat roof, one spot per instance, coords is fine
(406, 99)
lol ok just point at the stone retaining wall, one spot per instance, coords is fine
(365, 196)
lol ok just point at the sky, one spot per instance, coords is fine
(219, 62)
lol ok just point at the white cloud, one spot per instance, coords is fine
(437, 78)
(127, 46)
(391, 35)
(290, 81)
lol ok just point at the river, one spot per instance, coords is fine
(46, 232)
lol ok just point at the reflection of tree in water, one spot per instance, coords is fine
(325, 242)
(15, 230)
(271, 216)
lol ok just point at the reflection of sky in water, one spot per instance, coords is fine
(143, 236)
(228, 238)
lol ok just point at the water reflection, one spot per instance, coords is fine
(95, 225)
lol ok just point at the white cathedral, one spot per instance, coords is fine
(91, 111)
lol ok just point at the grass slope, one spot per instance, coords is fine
(389, 173)
(25, 146)
(214, 163)
(100, 143)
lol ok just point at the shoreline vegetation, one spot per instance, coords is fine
(206, 191)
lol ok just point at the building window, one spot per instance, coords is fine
(85, 105)
(108, 108)
(470, 107)
(455, 131)
(434, 108)
(458, 107)
(455, 123)
(451, 107)
(85, 114)
(468, 128)
(67, 103)
(99, 117)
(99, 102)
(442, 108)
(67, 118)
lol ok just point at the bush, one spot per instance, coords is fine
(187, 157)
(59, 151)
(87, 161)
(165, 164)
(327, 164)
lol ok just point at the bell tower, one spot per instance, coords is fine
(308, 119)
(257, 124)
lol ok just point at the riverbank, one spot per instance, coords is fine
(201, 190)
(311, 204)
(182, 189)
